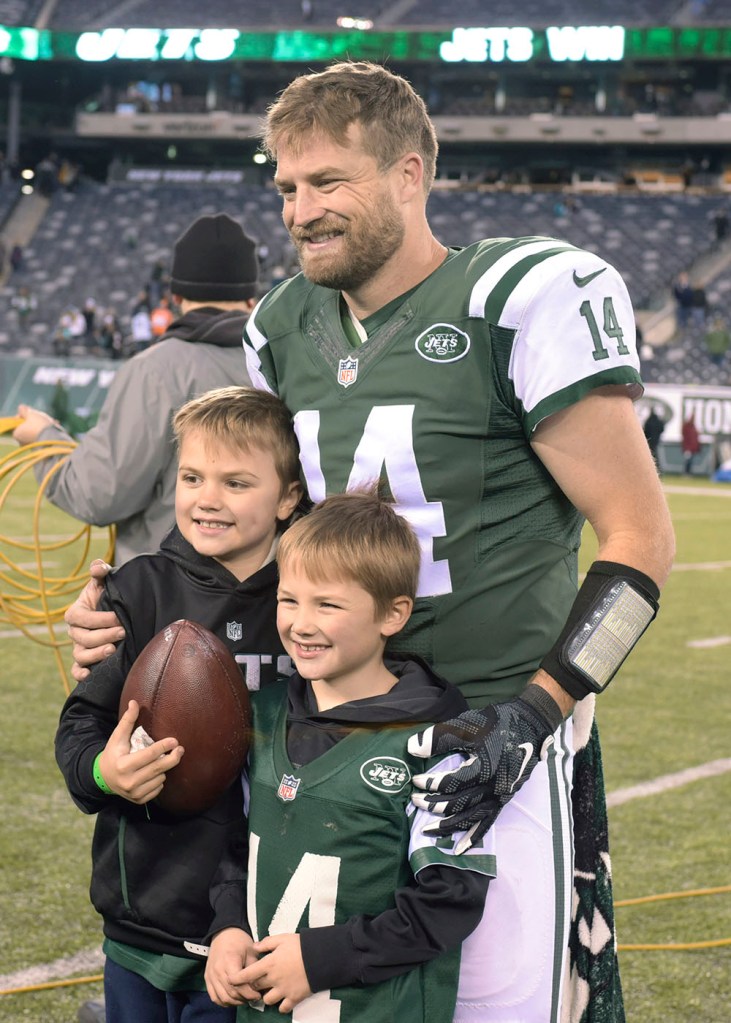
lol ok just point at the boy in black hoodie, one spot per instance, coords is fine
(237, 486)
(352, 910)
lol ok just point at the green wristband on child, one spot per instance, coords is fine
(99, 778)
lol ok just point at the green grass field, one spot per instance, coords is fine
(668, 712)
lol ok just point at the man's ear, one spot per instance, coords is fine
(396, 616)
(411, 167)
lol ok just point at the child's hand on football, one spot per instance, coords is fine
(138, 776)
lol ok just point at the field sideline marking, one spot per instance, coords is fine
(696, 491)
(89, 961)
(34, 630)
(665, 782)
(700, 566)
(706, 644)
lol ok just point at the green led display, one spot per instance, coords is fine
(491, 45)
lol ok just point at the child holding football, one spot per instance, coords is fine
(237, 488)
(354, 914)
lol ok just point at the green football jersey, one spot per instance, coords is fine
(336, 838)
(440, 403)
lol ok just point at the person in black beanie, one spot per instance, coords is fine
(123, 470)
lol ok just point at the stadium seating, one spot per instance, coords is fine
(80, 14)
(649, 238)
(103, 240)
(540, 13)
(19, 12)
(712, 12)
(9, 191)
(75, 14)
(686, 361)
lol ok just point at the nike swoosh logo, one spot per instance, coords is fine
(581, 282)
(528, 747)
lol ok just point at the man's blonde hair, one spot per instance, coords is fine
(356, 536)
(393, 117)
(242, 418)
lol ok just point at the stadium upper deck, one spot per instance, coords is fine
(81, 15)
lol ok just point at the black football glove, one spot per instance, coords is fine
(503, 744)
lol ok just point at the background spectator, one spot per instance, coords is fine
(125, 467)
(691, 444)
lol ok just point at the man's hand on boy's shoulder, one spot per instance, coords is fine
(231, 951)
(92, 632)
(501, 743)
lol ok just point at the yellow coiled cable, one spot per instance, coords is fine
(32, 594)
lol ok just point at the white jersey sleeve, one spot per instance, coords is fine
(425, 850)
(574, 324)
(254, 342)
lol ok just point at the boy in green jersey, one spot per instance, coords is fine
(351, 907)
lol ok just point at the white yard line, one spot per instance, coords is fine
(91, 961)
(701, 566)
(705, 644)
(668, 781)
(697, 491)
(34, 630)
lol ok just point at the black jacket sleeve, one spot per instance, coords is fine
(435, 914)
(228, 887)
(90, 715)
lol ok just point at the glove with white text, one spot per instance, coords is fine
(503, 744)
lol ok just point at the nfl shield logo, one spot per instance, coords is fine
(347, 372)
(288, 787)
(234, 630)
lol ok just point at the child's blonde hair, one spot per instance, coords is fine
(356, 536)
(243, 417)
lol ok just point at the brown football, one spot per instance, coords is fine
(189, 686)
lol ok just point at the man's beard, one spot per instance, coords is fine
(366, 247)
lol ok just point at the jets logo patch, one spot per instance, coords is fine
(288, 787)
(386, 774)
(442, 343)
(347, 372)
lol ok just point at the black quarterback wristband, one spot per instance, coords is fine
(613, 607)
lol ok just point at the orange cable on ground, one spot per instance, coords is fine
(679, 946)
(52, 984)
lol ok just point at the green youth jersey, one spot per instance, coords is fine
(440, 403)
(337, 838)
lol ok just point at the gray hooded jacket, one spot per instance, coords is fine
(124, 469)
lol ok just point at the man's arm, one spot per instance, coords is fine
(112, 472)
(597, 453)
